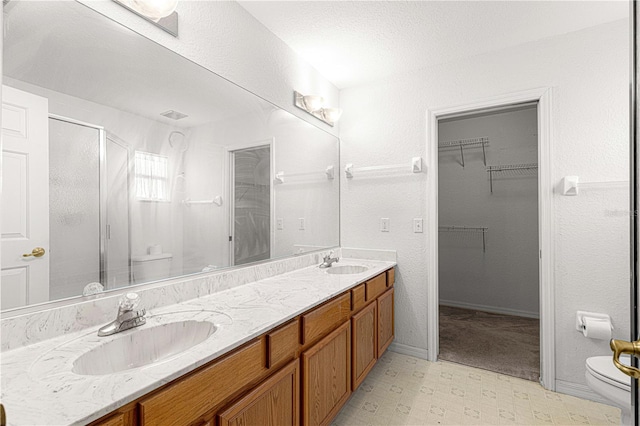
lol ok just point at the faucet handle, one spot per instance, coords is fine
(129, 302)
(328, 256)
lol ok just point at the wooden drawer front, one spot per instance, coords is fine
(385, 321)
(376, 286)
(363, 344)
(275, 402)
(391, 277)
(282, 344)
(326, 377)
(117, 420)
(357, 298)
(322, 320)
(188, 399)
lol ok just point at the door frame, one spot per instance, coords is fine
(543, 97)
(228, 192)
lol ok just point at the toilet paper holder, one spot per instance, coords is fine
(581, 316)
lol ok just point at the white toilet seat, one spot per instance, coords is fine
(602, 367)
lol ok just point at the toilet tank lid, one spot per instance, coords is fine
(148, 257)
(603, 366)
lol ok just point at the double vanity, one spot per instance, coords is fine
(288, 349)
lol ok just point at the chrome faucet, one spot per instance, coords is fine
(328, 260)
(128, 317)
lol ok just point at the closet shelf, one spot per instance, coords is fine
(517, 168)
(469, 229)
(461, 143)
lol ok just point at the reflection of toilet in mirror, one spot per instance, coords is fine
(151, 267)
(610, 383)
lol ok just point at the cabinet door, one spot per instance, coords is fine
(273, 403)
(385, 321)
(364, 344)
(326, 377)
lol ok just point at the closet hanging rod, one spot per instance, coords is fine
(216, 200)
(329, 172)
(415, 167)
(570, 185)
(508, 167)
(466, 142)
(512, 167)
(473, 229)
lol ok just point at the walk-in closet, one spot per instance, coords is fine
(488, 240)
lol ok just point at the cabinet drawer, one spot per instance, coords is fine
(391, 277)
(117, 420)
(376, 286)
(358, 297)
(282, 343)
(190, 398)
(324, 319)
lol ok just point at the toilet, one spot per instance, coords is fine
(612, 384)
(151, 267)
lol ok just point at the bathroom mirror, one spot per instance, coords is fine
(125, 163)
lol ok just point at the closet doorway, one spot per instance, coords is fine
(488, 245)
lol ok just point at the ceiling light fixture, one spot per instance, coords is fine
(312, 104)
(159, 12)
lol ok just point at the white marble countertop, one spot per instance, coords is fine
(39, 388)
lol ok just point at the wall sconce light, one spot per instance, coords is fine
(312, 104)
(161, 13)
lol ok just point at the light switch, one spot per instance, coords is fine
(417, 225)
(384, 224)
(301, 222)
(280, 224)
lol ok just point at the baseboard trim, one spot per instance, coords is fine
(491, 309)
(579, 391)
(409, 350)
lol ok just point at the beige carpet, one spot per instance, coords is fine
(502, 343)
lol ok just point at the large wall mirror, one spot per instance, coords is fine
(125, 163)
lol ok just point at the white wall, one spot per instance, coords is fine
(504, 278)
(588, 72)
(226, 39)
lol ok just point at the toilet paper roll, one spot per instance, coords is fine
(155, 249)
(595, 328)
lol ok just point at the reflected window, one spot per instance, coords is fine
(152, 177)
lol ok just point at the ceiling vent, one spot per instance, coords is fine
(174, 115)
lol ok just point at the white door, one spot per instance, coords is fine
(25, 199)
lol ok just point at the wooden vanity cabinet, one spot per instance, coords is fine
(326, 377)
(275, 402)
(301, 372)
(385, 321)
(364, 348)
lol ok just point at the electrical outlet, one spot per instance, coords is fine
(417, 225)
(384, 224)
(280, 224)
(302, 224)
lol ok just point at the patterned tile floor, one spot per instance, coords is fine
(403, 390)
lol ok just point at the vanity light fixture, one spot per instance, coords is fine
(312, 104)
(161, 13)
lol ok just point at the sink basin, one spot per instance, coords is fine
(346, 269)
(143, 347)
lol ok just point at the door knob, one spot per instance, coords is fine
(620, 347)
(36, 252)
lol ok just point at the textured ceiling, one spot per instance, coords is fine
(355, 42)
